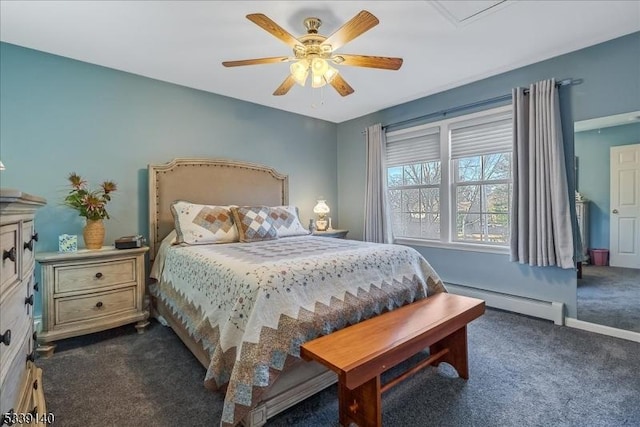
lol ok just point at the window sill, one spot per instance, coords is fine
(471, 247)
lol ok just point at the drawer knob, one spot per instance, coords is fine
(99, 304)
(6, 337)
(35, 335)
(36, 287)
(29, 244)
(11, 254)
(98, 275)
(29, 300)
(31, 357)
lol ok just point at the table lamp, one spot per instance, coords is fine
(321, 209)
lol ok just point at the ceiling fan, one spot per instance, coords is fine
(313, 52)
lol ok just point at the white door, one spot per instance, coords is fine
(625, 207)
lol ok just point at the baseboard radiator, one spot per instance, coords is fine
(553, 311)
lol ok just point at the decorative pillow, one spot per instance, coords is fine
(203, 224)
(287, 221)
(254, 223)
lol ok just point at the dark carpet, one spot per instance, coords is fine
(610, 296)
(523, 372)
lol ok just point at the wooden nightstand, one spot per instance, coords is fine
(89, 291)
(339, 234)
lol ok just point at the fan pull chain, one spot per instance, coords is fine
(313, 103)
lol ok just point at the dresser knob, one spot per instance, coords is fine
(11, 254)
(35, 335)
(35, 385)
(34, 411)
(29, 300)
(29, 245)
(99, 304)
(98, 275)
(36, 287)
(6, 337)
(34, 236)
(31, 357)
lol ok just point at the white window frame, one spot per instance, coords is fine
(448, 187)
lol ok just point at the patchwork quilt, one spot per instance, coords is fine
(253, 304)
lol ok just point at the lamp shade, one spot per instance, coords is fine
(300, 71)
(321, 208)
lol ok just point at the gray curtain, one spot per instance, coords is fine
(375, 216)
(541, 232)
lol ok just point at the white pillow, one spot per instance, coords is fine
(287, 222)
(203, 224)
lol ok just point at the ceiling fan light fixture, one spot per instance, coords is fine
(330, 74)
(319, 66)
(312, 52)
(300, 71)
(317, 80)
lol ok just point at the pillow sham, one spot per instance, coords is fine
(287, 221)
(197, 224)
(254, 223)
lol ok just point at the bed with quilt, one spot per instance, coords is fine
(243, 284)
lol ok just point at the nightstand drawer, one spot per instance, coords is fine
(84, 277)
(84, 308)
(9, 246)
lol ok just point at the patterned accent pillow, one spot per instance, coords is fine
(203, 224)
(254, 223)
(287, 222)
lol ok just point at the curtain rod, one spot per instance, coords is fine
(468, 106)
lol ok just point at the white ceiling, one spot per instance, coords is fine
(444, 44)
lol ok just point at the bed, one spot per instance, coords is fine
(244, 309)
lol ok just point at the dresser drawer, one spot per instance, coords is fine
(14, 317)
(88, 307)
(27, 247)
(16, 376)
(84, 277)
(9, 246)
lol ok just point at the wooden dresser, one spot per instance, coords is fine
(89, 291)
(21, 396)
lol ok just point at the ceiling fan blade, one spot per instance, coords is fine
(341, 85)
(276, 30)
(285, 86)
(362, 22)
(256, 61)
(383, 62)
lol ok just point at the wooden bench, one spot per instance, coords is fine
(361, 352)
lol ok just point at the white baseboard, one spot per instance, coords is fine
(601, 329)
(531, 307)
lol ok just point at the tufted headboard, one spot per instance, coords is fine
(208, 181)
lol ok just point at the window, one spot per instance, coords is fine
(450, 182)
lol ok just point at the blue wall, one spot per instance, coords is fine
(592, 150)
(609, 83)
(58, 115)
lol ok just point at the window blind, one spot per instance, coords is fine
(488, 135)
(414, 145)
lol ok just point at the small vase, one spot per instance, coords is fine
(93, 234)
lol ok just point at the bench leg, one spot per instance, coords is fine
(362, 405)
(457, 355)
